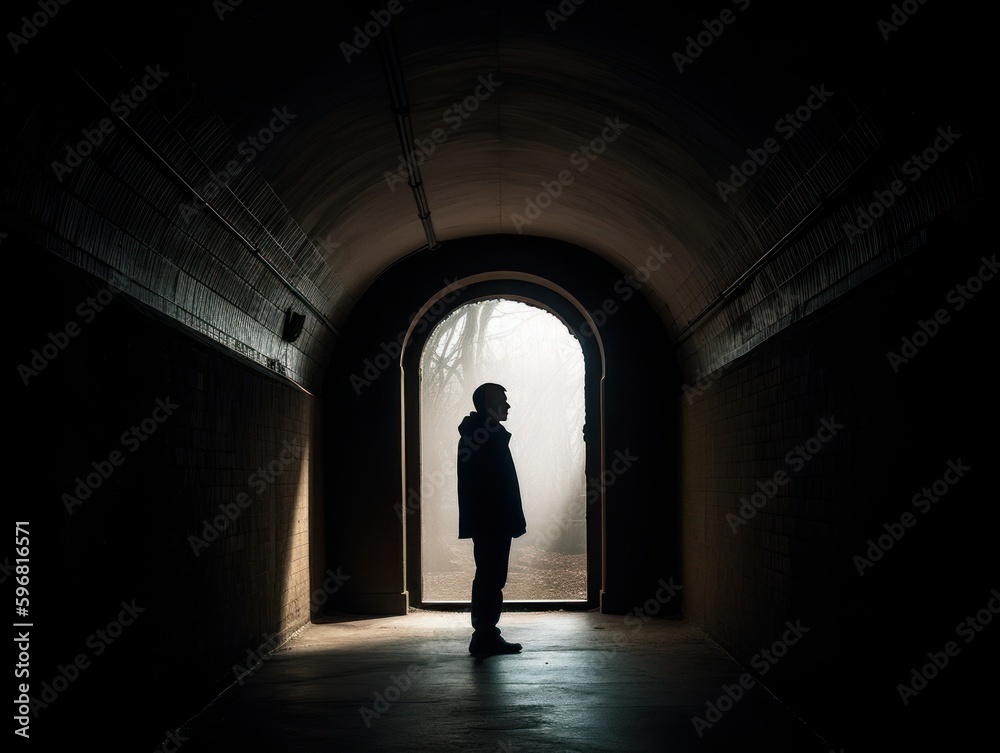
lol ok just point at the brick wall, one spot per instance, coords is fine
(200, 519)
(794, 558)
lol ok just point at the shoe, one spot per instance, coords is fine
(483, 646)
(500, 646)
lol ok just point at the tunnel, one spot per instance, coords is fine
(235, 226)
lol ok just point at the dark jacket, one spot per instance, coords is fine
(489, 497)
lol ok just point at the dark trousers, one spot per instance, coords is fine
(492, 558)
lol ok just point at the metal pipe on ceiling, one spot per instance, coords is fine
(404, 127)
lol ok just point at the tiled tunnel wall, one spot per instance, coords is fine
(198, 516)
(789, 554)
(209, 611)
(127, 214)
(828, 252)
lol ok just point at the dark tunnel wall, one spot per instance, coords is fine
(204, 594)
(902, 423)
(364, 531)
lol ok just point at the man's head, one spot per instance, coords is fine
(491, 398)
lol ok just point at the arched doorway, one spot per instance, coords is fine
(537, 358)
(576, 324)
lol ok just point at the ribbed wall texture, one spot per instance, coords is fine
(120, 213)
(830, 258)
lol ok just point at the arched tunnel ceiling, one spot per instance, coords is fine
(688, 88)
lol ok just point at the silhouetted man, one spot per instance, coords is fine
(489, 511)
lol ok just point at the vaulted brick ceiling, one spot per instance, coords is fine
(798, 99)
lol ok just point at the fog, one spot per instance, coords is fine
(531, 353)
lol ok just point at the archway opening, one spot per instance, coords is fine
(534, 355)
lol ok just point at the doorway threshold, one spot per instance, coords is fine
(522, 605)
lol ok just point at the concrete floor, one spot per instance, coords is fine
(584, 682)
